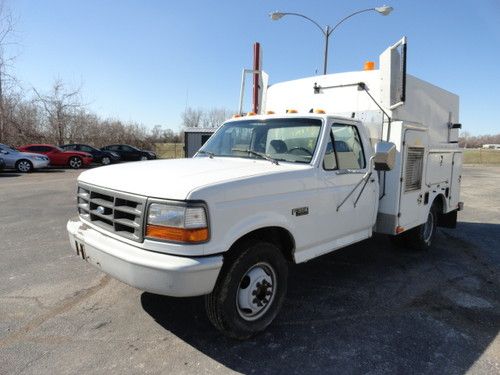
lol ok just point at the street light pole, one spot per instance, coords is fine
(327, 31)
(327, 37)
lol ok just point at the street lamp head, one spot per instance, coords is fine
(384, 10)
(275, 16)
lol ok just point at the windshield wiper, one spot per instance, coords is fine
(263, 156)
(209, 153)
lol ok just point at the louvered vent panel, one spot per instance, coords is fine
(414, 168)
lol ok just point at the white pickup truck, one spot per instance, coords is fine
(271, 189)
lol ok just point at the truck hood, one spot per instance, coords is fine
(175, 179)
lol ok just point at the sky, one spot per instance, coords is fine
(145, 61)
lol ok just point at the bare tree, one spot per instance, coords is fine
(60, 106)
(6, 31)
(215, 117)
(191, 118)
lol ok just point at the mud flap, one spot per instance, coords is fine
(448, 220)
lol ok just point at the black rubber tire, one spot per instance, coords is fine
(416, 236)
(221, 304)
(72, 162)
(26, 163)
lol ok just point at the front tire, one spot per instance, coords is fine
(105, 160)
(75, 162)
(24, 166)
(250, 290)
(143, 158)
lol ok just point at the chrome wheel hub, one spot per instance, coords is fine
(24, 166)
(256, 291)
(75, 163)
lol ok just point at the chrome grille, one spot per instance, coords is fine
(117, 212)
(414, 167)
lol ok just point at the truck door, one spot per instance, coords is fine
(348, 210)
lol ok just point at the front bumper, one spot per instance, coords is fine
(146, 270)
(37, 164)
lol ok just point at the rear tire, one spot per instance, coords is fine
(421, 237)
(24, 166)
(250, 290)
(75, 162)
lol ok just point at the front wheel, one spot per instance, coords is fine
(24, 166)
(144, 158)
(105, 160)
(250, 290)
(75, 162)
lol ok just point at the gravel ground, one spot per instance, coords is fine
(368, 308)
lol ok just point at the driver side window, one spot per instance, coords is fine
(344, 149)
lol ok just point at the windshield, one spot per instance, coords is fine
(291, 140)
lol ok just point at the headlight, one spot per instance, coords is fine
(178, 223)
(38, 157)
(115, 154)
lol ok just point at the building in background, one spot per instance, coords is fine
(194, 138)
(492, 146)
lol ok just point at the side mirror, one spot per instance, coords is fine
(385, 156)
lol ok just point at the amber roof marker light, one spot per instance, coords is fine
(328, 30)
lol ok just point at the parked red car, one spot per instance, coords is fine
(59, 157)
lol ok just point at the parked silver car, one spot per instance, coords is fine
(22, 161)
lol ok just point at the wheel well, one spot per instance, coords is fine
(278, 236)
(440, 203)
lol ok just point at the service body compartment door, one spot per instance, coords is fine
(411, 206)
(438, 170)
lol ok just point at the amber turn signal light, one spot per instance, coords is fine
(177, 234)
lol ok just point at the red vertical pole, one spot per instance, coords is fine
(256, 66)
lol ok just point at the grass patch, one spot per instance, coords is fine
(169, 150)
(481, 156)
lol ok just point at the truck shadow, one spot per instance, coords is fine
(367, 308)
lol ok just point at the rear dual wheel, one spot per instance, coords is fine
(421, 237)
(250, 290)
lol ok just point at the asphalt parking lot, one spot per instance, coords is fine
(368, 308)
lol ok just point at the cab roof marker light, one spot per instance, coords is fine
(291, 111)
(270, 113)
(369, 65)
(236, 115)
(319, 111)
(251, 114)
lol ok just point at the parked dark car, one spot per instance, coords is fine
(2, 164)
(130, 153)
(99, 156)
